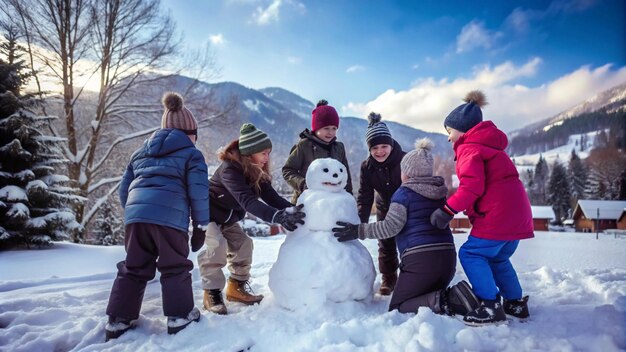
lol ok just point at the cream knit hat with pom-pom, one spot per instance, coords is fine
(418, 162)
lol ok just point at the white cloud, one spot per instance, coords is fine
(268, 15)
(217, 39)
(521, 19)
(475, 35)
(271, 13)
(294, 60)
(511, 105)
(355, 68)
(415, 66)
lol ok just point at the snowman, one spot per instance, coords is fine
(312, 266)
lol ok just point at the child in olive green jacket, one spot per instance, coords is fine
(319, 142)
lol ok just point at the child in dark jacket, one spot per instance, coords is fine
(428, 255)
(492, 195)
(319, 142)
(380, 178)
(242, 183)
(165, 183)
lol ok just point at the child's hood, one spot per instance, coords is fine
(166, 141)
(485, 133)
(308, 134)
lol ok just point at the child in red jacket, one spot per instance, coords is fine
(494, 199)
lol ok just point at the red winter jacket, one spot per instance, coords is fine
(490, 191)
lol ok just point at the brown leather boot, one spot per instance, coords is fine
(213, 302)
(240, 291)
(388, 284)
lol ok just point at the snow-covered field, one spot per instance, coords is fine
(54, 300)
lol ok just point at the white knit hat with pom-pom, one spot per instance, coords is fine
(418, 162)
(176, 115)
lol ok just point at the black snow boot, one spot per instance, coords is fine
(176, 324)
(116, 327)
(517, 308)
(459, 299)
(489, 313)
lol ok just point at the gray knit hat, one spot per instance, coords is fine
(253, 140)
(468, 115)
(418, 162)
(176, 115)
(377, 131)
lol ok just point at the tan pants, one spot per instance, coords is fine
(225, 244)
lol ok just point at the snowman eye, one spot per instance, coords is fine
(325, 169)
(340, 170)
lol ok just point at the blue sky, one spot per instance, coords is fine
(413, 61)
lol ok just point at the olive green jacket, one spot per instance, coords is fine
(302, 154)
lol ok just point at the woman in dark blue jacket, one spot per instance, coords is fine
(238, 186)
(165, 183)
(427, 253)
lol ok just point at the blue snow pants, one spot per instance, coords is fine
(488, 268)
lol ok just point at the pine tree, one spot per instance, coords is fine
(559, 191)
(596, 188)
(34, 200)
(539, 182)
(622, 186)
(109, 229)
(578, 176)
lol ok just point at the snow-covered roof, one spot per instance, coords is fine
(542, 212)
(460, 215)
(609, 209)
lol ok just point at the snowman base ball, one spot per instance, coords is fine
(312, 266)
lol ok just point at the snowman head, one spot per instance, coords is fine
(326, 175)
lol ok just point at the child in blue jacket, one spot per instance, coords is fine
(427, 253)
(165, 183)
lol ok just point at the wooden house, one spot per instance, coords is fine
(460, 221)
(598, 215)
(621, 221)
(542, 215)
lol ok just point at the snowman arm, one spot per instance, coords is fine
(390, 227)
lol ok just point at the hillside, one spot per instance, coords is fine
(604, 111)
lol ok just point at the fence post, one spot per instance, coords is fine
(597, 222)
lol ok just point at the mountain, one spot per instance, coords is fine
(611, 100)
(294, 102)
(282, 114)
(605, 111)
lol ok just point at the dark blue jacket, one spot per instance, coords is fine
(378, 183)
(164, 179)
(418, 230)
(232, 195)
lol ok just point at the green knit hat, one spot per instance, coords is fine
(252, 140)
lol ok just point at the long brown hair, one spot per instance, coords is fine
(253, 173)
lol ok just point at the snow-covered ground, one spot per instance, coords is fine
(54, 300)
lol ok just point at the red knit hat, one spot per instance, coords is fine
(324, 115)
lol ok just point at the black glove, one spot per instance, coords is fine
(440, 218)
(347, 231)
(289, 218)
(197, 238)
